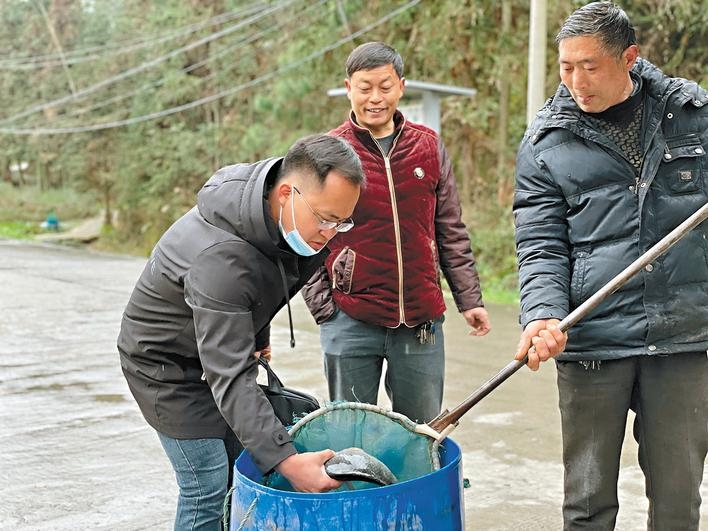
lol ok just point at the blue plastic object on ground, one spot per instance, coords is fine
(51, 223)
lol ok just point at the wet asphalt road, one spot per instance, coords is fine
(76, 453)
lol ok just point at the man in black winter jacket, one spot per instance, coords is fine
(611, 164)
(201, 310)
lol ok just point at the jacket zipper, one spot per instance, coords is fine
(396, 224)
(397, 232)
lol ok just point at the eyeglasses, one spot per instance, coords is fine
(340, 226)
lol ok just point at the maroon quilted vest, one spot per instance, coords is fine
(385, 271)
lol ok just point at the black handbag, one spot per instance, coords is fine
(288, 404)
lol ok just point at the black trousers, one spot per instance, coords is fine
(669, 395)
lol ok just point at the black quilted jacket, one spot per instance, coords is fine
(582, 217)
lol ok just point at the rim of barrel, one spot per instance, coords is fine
(333, 406)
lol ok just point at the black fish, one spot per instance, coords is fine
(354, 464)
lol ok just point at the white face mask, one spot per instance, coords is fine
(293, 238)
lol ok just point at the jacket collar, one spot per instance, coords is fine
(399, 121)
(562, 110)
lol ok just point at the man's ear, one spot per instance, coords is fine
(348, 86)
(630, 55)
(283, 191)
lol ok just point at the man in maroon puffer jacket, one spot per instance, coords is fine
(378, 295)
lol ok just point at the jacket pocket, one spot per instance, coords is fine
(577, 281)
(436, 262)
(683, 156)
(343, 270)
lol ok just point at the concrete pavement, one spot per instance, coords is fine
(76, 453)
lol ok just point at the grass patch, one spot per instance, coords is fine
(30, 204)
(19, 230)
(24, 208)
(498, 292)
(491, 229)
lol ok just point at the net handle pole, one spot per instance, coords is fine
(447, 418)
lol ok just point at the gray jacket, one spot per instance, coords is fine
(582, 217)
(200, 309)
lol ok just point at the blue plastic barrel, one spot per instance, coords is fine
(430, 502)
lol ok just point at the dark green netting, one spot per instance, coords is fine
(388, 436)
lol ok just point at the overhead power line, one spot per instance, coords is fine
(195, 66)
(144, 66)
(214, 97)
(81, 55)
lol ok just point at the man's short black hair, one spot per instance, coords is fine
(603, 20)
(320, 154)
(373, 55)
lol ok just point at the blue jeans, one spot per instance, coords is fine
(353, 358)
(669, 396)
(202, 470)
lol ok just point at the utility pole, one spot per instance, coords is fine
(57, 44)
(535, 94)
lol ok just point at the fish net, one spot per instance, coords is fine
(388, 436)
